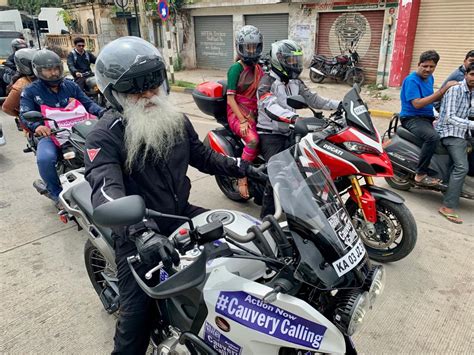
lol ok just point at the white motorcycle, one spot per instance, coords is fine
(246, 286)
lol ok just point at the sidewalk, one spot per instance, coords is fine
(382, 103)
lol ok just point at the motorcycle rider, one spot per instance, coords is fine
(453, 127)
(23, 57)
(144, 146)
(275, 87)
(417, 97)
(10, 65)
(79, 62)
(243, 78)
(50, 90)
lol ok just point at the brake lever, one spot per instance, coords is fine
(150, 273)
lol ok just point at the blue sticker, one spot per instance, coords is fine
(252, 219)
(266, 318)
(163, 275)
(219, 342)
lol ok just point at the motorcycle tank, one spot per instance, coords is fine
(239, 223)
(256, 327)
(82, 129)
(331, 253)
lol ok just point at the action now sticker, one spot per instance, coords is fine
(268, 319)
(219, 342)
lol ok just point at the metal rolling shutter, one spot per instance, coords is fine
(214, 41)
(328, 37)
(448, 28)
(274, 27)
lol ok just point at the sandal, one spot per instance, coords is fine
(428, 181)
(452, 217)
(243, 188)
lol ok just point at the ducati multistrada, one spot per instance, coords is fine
(350, 146)
(246, 286)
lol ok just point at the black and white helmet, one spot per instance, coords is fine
(129, 65)
(23, 58)
(249, 44)
(18, 43)
(287, 59)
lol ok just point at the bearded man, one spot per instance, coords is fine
(143, 146)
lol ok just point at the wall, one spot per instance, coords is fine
(55, 22)
(11, 20)
(303, 30)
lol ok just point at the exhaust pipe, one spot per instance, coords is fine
(317, 71)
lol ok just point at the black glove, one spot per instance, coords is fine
(294, 118)
(247, 169)
(153, 248)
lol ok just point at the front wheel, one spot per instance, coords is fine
(230, 187)
(395, 230)
(355, 76)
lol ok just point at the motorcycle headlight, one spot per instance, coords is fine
(69, 155)
(350, 311)
(378, 283)
(360, 148)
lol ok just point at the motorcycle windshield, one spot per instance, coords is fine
(357, 114)
(327, 242)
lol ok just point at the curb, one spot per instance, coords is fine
(381, 113)
(175, 88)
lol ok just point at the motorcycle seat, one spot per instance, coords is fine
(81, 193)
(407, 135)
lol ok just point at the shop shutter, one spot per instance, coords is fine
(274, 27)
(364, 28)
(214, 41)
(448, 28)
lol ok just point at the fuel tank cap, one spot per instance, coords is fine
(224, 217)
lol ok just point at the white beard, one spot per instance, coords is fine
(150, 131)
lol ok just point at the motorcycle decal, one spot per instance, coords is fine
(357, 116)
(92, 153)
(349, 261)
(360, 109)
(251, 219)
(268, 319)
(339, 221)
(219, 342)
(163, 275)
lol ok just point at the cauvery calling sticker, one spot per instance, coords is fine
(219, 342)
(265, 318)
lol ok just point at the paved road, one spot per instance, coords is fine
(49, 306)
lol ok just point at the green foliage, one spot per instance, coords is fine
(33, 6)
(67, 17)
(178, 64)
(185, 84)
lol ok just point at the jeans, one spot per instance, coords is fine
(422, 127)
(137, 310)
(457, 151)
(270, 145)
(46, 158)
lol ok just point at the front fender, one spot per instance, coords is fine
(379, 193)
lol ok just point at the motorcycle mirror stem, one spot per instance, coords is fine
(153, 213)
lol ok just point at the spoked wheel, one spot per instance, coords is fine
(399, 183)
(355, 76)
(97, 266)
(230, 187)
(395, 231)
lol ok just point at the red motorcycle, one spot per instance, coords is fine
(350, 147)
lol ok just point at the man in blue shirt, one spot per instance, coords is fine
(417, 97)
(53, 91)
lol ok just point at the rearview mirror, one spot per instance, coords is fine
(297, 102)
(33, 116)
(121, 212)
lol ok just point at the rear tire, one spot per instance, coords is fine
(95, 265)
(396, 231)
(398, 183)
(229, 186)
(315, 77)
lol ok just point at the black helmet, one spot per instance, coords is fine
(129, 65)
(287, 59)
(23, 58)
(42, 62)
(249, 44)
(18, 43)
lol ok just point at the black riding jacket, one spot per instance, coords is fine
(163, 185)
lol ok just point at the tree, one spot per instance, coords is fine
(33, 7)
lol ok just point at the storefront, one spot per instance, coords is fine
(274, 27)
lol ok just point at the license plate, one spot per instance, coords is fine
(350, 260)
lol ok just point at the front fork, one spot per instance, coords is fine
(365, 201)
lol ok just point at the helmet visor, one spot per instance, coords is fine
(141, 83)
(51, 72)
(251, 50)
(293, 62)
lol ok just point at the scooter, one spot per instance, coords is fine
(350, 146)
(404, 148)
(245, 285)
(92, 90)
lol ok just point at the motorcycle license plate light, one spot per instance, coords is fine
(69, 155)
